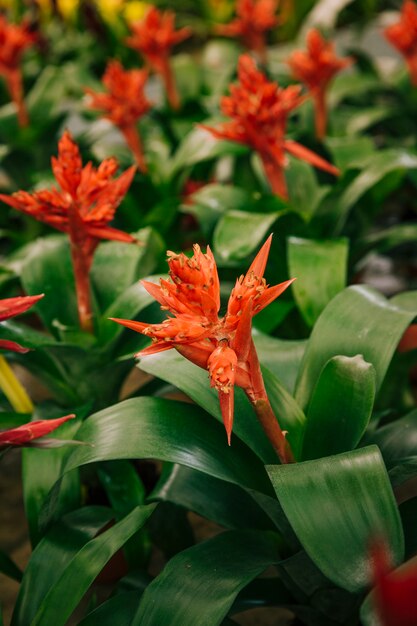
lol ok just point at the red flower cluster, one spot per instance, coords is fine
(83, 207)
(23, 435)
(316, 68)
(223, 345)
(403, 36)
(254, 19)
(14, 39)
(259, 110)
(10, 307)
(124, 104)
(154, 37)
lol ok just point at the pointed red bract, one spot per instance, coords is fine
(259, 110)
(222, 345)
(10, 307)
(14, 39)
(83, 206)
(154, 37)
(254, 19)
(23, 435)
(403, 36)
(124, 103)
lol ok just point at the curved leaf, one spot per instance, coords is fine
(320, 268)
(9, 567)
(281, 356)
(340, 408)
(200, 581)
(335, 505)
(121, 607)
(357, 321)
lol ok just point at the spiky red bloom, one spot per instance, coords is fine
(316, 68)
(403, 36)
(10, 307)
(223, 345)
(124, 103)
(259, 110)
(154, 37)
(254, 19)
(395, 592)
(23, 435)
(14, 39)
(83, 207)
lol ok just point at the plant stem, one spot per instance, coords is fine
(81, 264)
(13, 389)
(320, 109)
(276, 176)
(133, 140)
(15, 87)
(170, 84)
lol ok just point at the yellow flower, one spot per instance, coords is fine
(135, 10)
(68, 8)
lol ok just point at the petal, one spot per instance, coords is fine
(32, 430)
(107, 232)
(139, 327)
(260, 261)
(12, 346)
(9, 307)
(303, 153)
(243, 337)
(270, 294)
(227, 402)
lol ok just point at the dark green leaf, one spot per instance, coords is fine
(9, 567)
(281, 357)
(120, 610)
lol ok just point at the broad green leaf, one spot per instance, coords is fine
(335, 505)
(219, 501)
(188, 76)
(168, 431)
(304, 191)
(120, 610)
(357, 321)
(219, 60)
(193, 381)
(397, 440)
(9, 567)
(67, 591)
(282, 357)
(238, 234)
(41, 469)
(200, 581)
(320, 268)
(406, 300)
(53, 555)
(340, 408)
(348, 151)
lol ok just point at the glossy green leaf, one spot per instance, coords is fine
(9, 567)
(340, 407)
(347, 151)
(320, 268)
(193, 381)
(219, 501)
(42, 468)
(238, 234)
(397, 440)
(201, 582)
(121, 607)
(335, 505)
(282, 357)
(62, 598)
(304, 191)
(357, 321)
(53, 555)
(168, 431)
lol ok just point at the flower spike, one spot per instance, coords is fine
(154, 37)
(403, 36)
(83, 207)
(25, 434)
(259, 110)
(222, 345)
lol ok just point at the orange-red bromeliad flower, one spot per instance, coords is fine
(10, 307)
(25, 434)
(254, 19)
(124, 104)
(83, 207)
(316, 68)
(14, 39)
(222, 345)
(403, 36)
(259, 110)
(154, 37)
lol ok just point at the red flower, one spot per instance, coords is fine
(10, 307)
(154, 37)
(395, 592)
(254, 19)
(83, 207)
(124, 103)
(14, 39)
(223, 345)
(316, 68)
(403, 36)
(23, 435)
(259, 110)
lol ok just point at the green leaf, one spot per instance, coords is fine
(41, 469)
(9, 567)
(67, 591)
(304, 191)
(168, 431)
(238, 234)
(53, 555)
(388, 238)
(357, 321)
(282, 357)
(340, 408)
(320, 268)
(193, 381)
(397, 440)
(347, 151)
(121, 607)
(200, 581)
(335, 505)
